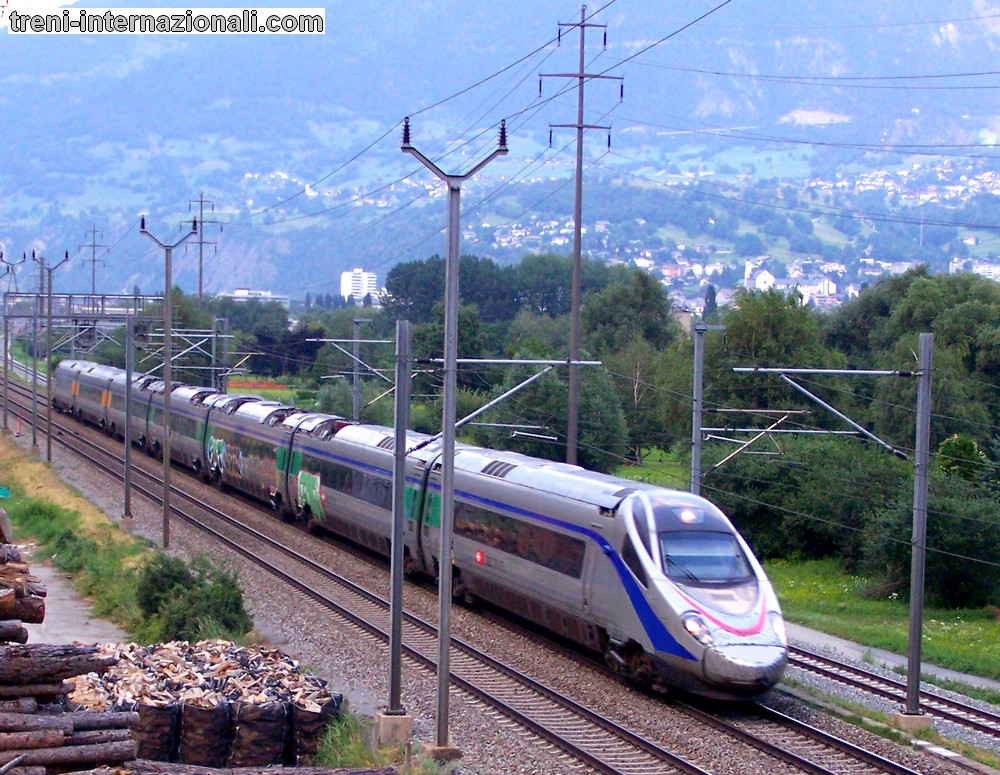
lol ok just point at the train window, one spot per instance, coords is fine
(641, 524)
(631, 557)
(703, 556)
(537, 544)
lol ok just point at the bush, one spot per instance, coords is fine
(962, 526)
(191, 603)
(812, 501)
(163, 578)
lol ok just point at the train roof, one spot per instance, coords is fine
(227, 402)
(192, 393)
(313, 422)
(91, 369)
(557, 478)
(379, 436)
(265, 412)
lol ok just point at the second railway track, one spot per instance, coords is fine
(596, 742)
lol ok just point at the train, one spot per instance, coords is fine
(656, 580)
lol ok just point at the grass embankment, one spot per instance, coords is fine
(121, 574)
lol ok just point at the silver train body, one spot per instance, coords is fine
(657, 580)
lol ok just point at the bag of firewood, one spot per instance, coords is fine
(205, 734)
(259, 733)
(308, 725)
(156, 732)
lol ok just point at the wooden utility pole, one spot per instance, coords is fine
(572, 429)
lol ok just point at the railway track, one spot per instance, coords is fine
(586, 737)
(934, 703)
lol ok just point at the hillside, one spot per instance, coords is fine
(102, 128)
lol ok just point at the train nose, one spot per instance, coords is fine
(748, 667)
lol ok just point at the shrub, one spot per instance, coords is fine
(163, 578)
(962, 526)
(191, 603)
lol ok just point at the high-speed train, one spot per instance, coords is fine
(657, 580)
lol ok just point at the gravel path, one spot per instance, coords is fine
(489, 743)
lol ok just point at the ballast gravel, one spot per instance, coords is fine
(489, 743)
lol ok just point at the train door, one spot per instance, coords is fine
(426, 508)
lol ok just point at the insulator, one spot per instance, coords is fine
(142, 223)
(609, 141)
(550, 138)
(539, 87)
(559, 37)
(605, 39)
(406, 131)
(621, 92)
(194, 225)
(503, 133)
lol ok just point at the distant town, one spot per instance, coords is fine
(687, 268)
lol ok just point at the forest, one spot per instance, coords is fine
(796, 495)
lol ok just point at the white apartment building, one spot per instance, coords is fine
(357, 284)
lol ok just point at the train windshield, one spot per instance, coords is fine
(703, 556)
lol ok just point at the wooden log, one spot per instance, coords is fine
(23, 586)
(36, 738)
(30, 610)
(10, 553)
(25, 722)
(95, 736)
(20, 705)
(32, 663)
(97, 719)
(11, 631)
(27, 771)
(36, 690)
(12, 567)
(7, 598)
(6, 532)
(108, 753)
(149, 767)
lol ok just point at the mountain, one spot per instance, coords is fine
(101, 128)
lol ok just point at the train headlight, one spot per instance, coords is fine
(698, 630)
(778, 625)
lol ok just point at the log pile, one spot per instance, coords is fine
(37, 735)
(22, 596)
(213, 703)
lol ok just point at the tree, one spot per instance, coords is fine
(632, 309)
(963, 542)
(711, 305)
(603, 434)
(763, 329)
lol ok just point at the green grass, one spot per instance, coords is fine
(819, 594)
(660, 468)
(347, 743)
